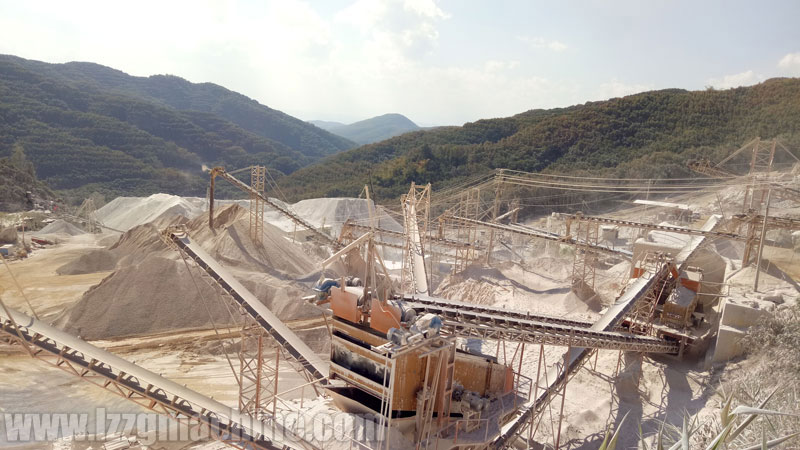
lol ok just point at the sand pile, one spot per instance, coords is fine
(61, 227)
(155, 295)
(159, 294)
(729, 249)
(124, 213)
(99, 260)
(332, 213)
(152, 290)
(142, 241)
(509, 285)
(230, 244)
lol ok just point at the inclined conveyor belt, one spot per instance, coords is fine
(526, 231)
(575, 357)
(124, 378)
(281, 209)
(311, 362)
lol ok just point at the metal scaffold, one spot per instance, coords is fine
(468, 207)
(584, 263)
(258, 175)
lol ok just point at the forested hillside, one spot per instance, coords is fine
(17, 179)
(647, 135)
(88, 126)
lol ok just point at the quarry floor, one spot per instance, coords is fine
(649, 390)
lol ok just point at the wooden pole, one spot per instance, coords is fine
(761, 243)
(211, 202)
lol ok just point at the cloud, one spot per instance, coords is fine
(542, 43)
(790, 63)
(746, 78)
(363, 13)
(494, 65)
(389, 30)
(368, 58)
(425, 8)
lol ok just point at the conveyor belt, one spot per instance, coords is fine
(493, 326)
(647, 226)
(400, 235)
(219, 171)
(772, 222)
(504, 312)
(312, 364)
(695, 242)
(577, 356)
(97, 222)
(141, 386)
(546, 236)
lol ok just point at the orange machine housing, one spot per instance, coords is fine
(353, 361)
(344, 303)
(384, 316)
(357, 330)
(381, 316)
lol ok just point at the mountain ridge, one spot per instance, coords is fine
(368, 131)
(646, 135)
(184, 95)
(81, 133)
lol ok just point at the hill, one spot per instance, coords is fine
(326, 124)
(371, 130)
(17, 179)
(88, 126)
(647, 135)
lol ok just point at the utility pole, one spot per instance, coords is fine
(498, 190)
(761, 244)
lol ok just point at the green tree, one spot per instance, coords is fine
(20, 161)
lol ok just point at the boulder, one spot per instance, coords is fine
(8, 235)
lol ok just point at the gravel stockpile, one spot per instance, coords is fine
(142, 241)
(99, 260)
(154, 296)
(61, 226)
(153, 291)
(332, 213)
(124, 213)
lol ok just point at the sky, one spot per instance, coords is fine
(443, 62)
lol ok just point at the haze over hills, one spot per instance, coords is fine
(647, 135)
(327, 125)
(371, 130)
(85, 124)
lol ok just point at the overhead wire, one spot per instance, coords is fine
(19, 287)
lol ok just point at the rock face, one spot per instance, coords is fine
(8, 235)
